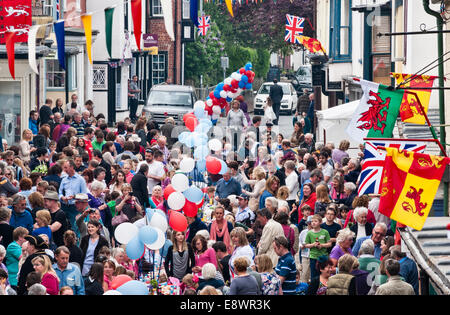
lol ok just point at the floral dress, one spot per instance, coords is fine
(270, 283)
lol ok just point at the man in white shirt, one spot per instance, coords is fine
(244, 215)
(327, 169)
(155, 170)
(291, 182)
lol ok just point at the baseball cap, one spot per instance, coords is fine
(244, 196)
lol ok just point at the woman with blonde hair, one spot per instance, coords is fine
(25, 148)
(338, 154)
(343, 283)
(42, 225)
(258, 182)
(322, 200)
(271, 189)
(241, 248)
(180, 256)
(49, 279)
(271, 283)
(283, 193)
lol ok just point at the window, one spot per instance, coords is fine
(158, 69)
(340, 30)
(156, 8)
(10, 111)
(56, 76)
(381, 50)
(187, 9)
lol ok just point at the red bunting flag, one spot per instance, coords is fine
(136, 13)
(10, 39)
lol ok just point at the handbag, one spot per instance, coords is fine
(119, 219)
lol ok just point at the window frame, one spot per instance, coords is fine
(335, 31)
(153, 6)
(49, 72)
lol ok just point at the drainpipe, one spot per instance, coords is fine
(440, 24)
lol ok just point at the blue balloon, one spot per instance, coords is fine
(135, 248)
(199, 113)
(133, 287)
(214, 121)
(244, 78)
(163, 251)
(200, 139)
(202, 128)
(190, 141)
(229, 99)
(206, 121)
(201, 165)
(147, 234)
(248, 86)
(193, 194)
(201, 152)
(220, 86)
(161, 212)
(248, 66)
(217, 94)
(224, 168)
(149, 213)
(183, 136)
(241, 84)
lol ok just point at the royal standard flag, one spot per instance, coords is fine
(410, 182)
(311, 44)
(377, 112)
(410, 110)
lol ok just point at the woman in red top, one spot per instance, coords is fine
(203, 254)
(309, 198)
(49, 279)
(360, 201)
(109, 267)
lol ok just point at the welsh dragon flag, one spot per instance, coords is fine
(377, 112)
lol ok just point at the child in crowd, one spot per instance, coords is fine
(304, 251)
(189, 282)
(306, 212)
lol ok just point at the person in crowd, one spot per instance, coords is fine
(395, 285)
(378, 233)
(19, 215)
(271, 230)
(90, 245)
(408, 268)
(319, 285)
(49, 279)
(317, 240)
(220, 229)
(343, 283)
(344, 241)
(362, 228)
(180, 257)
(70, 242)
(68, 274)
(94, 282)
(203, 254)
(6, 230)
(286, 268)
(209, 278)
(243, 283)
(14, 254)
(241, 248)
(271, 283)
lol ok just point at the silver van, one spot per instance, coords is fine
(169, 100)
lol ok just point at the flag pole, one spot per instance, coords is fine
(433, 132)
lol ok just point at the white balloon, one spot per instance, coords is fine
(227, 81)
(230, 94)
(209, 102)
(199, 104)
(223, 94)
(238, 76)
(180, 182)
(125, 232)
(159, 243)
(234, 76)
(112, 292)
(215, 144)
(216, 109)
(176, 201)
(187, 165)
(159, 221)
(215, 116)
(140, 223)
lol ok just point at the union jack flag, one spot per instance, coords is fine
(57, 9)
(294, 27)
(204, 23)
(372, 168)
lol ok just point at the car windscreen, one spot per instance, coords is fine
(304, 74)
(170, 98)
(265, 89)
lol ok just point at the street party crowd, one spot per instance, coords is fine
(283, 218)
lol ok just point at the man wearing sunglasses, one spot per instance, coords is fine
(378, 233)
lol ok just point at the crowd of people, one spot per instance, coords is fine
(284, 219)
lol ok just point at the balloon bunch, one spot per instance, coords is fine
(148, 232)
(125, 285)
(225, 92)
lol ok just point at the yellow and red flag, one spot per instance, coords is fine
(410, 182)
(410, 110)
(312, 44)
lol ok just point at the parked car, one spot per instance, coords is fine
(301, 79)
(288, 103)
(169, 100)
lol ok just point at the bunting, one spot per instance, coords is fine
(109, 15)
(136, 13)
(87, 24)
(166, 6)
(32, 48)
(10, 39)
(60, 41)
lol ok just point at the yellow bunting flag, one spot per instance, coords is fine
(410, 110)
(87, 23)
(409, 185)
(229, 6)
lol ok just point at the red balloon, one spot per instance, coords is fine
(211, 95)
(168, 190)
(213, 165)
(177, 221)
(191, 123)
(190, 209)
(248, 73)
(119, 280)
(187, 115)
(235, 83)
(242, 71)
(209, 110)
(226, 87)
(200, 204)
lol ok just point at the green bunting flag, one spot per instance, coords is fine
(109, 12)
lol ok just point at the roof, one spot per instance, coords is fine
(172, 87)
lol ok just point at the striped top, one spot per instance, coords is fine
(286, 268)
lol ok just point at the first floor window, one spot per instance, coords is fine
(56, 76)
(158, 69)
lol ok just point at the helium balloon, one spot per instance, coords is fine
(180, 182)
(135, 248)
(168, 190)
(149, 213)
(159, 222)
(177, 221)
(133, 287)
(125, 232)
(193, 194)
(191, 123)
(119, 280)
(199, 112)
(248, 86)
(187, 164)
(140, 223)
(213, 165)
(159, 242)
(209, 102)
(201, 152)
(202, 128)
(190, 209)
(147, 234)
(215, 144)
(201, 166)
(187, 115)
(176, 201)
(165, 249)
(224, 167)
(112, 292)
(199, 104)
(241, 84)
(244, 78)
(216, 110)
